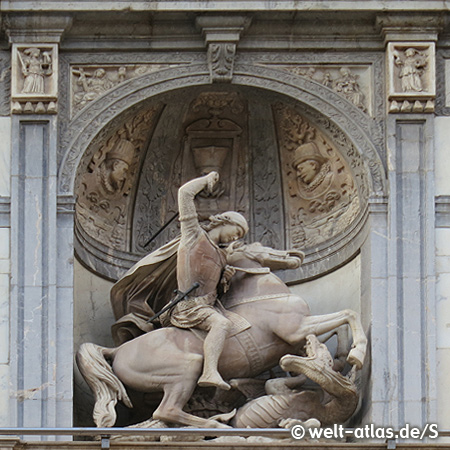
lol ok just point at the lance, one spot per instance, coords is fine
(179, 297)
(162, 229)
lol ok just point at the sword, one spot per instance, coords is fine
(179, 297)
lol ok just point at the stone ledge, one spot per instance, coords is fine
(95, 445)
(5, 211)
(223, 5)
(442, 211)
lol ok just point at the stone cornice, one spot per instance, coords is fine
(226, 5)
(36, 28)
(410, 27)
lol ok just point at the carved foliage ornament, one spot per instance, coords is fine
(412, 86)
(104, 190)
(34, 78)
(221, 61)
(89, 82)
(320, 193)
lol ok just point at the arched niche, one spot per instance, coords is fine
(262, 119)
(166, 124)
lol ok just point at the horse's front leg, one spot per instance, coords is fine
(318, 325)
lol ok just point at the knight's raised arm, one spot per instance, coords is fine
(187, 193)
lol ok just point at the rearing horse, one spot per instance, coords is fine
(171, 359)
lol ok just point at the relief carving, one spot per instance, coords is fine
(320, 194)
(90, 82)
(412, 84)
(103, 195)
(221, 61)
(34, 78)
(412, 64)
(35, 67)
(343, 81)
(214, 139)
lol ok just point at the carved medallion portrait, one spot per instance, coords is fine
(321, 197)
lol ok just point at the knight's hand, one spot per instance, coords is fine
(212, 178)
(228, 273)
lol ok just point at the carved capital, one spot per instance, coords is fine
(222, 33)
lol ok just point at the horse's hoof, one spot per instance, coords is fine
(356, 358)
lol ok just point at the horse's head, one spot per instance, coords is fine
(266, 256)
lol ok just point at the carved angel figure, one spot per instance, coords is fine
(412, 66)
(35, 67)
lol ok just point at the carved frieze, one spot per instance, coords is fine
(88, 82)
(411, 76)
(34, 78)
(321, 197)
(352, 82)
(104, 190)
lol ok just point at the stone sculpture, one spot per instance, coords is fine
(412, 65)
(35, 67)
(284, 404)
(201, 260)
(263, 320)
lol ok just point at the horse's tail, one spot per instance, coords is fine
(105, 385)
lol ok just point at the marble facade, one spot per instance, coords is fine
(367, 84)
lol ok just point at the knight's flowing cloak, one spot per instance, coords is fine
(148, 285)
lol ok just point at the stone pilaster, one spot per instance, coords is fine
(409, 308)
(41, 349)
(411, 266)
